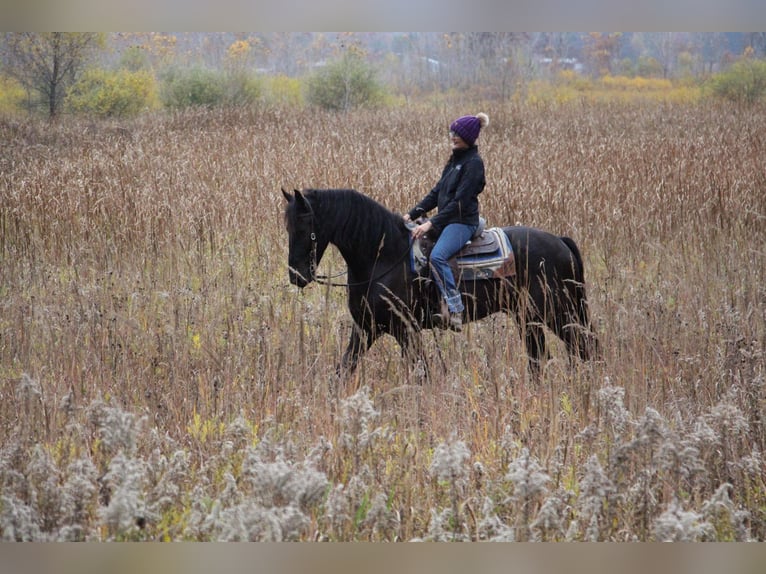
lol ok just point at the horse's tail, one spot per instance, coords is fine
(579, 270)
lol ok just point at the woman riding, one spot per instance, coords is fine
(456, 195)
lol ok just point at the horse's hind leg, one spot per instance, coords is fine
(574, 337)
(586, 344)
(580, 339)
(530, 318)
(534, 337)
(574, 328)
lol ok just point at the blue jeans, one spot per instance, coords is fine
(451, 240)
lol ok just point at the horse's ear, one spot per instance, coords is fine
(301, 201)
(288, 197)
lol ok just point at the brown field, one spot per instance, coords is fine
(161, 380)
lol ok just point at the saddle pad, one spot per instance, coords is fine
(489, 255)
(493, 257)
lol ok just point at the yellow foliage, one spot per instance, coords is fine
(284, 90)
(238, 53)
(238, 49)
(11, 95)
(163, 47)
(63, 451)
(121, 93)
(196, 343)
(569, 86)
(636, 84)
(204, 430)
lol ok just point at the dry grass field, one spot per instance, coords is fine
(161, 380)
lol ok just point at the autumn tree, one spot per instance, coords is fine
(601, 51)
(48, 63)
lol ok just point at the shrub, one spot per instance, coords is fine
(570, 87)
(113, 94)
(648, 67)
(637, 84)
(348, 83)
(209, 88)
(241, 89)
(11, 95)
(626, 67)
(284, 90)
(743, 83)
(192, 87)
(574, 80)
(134, 59)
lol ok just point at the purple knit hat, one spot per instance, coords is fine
(468, 127)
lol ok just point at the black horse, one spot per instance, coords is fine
(386, 295)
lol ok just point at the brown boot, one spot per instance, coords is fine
(456, 322)
(439, 321)
(451, 321)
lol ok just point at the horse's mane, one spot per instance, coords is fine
(354, 214)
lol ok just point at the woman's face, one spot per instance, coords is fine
(457, 141)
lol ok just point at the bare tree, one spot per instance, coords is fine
(712, 48)
(484, 58)
(556, 45)
(665, 47)
(757, 41)
(48, 63)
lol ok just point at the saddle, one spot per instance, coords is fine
(488, 255)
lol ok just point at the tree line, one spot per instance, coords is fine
(114, 73)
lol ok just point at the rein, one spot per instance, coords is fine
(326, 280)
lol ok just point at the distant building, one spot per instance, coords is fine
(560, 64)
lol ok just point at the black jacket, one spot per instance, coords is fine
(457, 192)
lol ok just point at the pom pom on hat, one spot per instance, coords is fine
(468, 127)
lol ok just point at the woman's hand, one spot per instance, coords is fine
(406, 217)
(421, 229)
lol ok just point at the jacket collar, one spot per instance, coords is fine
(460, 154)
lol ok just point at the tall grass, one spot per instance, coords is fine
(161, 380)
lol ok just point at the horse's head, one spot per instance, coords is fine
(306, 248)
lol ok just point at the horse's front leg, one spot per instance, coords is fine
(411, 343)
(359, 341)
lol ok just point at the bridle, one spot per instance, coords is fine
(327, 279)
